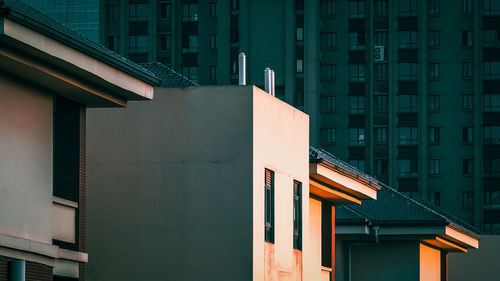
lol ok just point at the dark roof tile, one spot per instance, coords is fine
(169, 77)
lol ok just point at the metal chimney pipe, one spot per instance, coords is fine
(267, 79)
(242, 69)
(272, 83)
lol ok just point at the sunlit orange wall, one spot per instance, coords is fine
(430, 264)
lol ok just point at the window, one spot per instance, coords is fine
(434, 39)
(492, 134)
(165, 10)
(165, 42)
(435, 103)
(467, 199)
(190, 72)
(213, 41)
(491, 7)
(331, 103)
(408, 168)
(299, 4)
(380, 38)
(328, 8)
(327, 233)
(381, 103)
(467, 135)
(407, 71)
(491, 70)
(66, 124)
(491, 166)
(491, 103)
(300, 66)
(434, 197)
(358, 164)
(297, 215)
(356, 40)
(408, 135)
(213, 73)
(466, 70)
(234, 35)
(113, 12)
(356, 136)
(467, 167)
(113, 43)
(466, 7)
(329, 40)
(357, 8)
(434, 71)
(138, 44)
(382, 167)
(189, 44)
(407, 8)
(491, 38)
(190, 12)
(138, 12)
(434, 7)
(356, 104)
(356, 72)
(491, 228)
(299, 98)
(300, 34)
(331, 135)
(407, 39)
(381, 133)
(434, 169)
(492, 198)
(213, 9)
(269, 206)
(467, 39)
(435, 134)
(381, 71)
(381, 8)
(407, 103)
(467, 103)
(328, 72)
(234, 5)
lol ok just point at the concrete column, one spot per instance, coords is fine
(477, 129)
(311, 68)
(422, 97)
(370, 130)
(289, 30)
(223, 43)
(17, 269)
(392, 44)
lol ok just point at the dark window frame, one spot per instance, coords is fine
(269, 206)
(297, 215)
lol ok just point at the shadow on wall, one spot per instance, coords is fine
(483, 261)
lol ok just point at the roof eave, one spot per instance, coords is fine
(79, 45)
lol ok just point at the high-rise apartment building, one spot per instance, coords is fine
(406, 90)
(80, 15)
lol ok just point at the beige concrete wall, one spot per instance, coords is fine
(313, 268)
(483, 261)
(388, 261)
(26, 161)
(430, 264)
(179, 182)
(280, 143)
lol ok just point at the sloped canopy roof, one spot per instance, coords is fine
(33, 19)
(394, 209)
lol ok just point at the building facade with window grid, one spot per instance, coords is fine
(430, 74)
